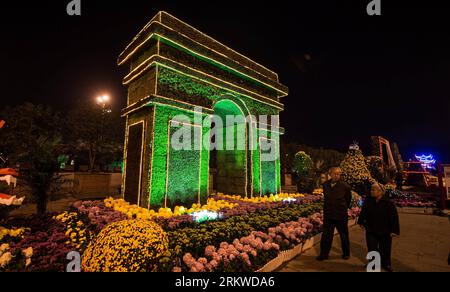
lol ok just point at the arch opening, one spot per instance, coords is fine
(229, 149)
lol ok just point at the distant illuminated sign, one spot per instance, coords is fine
(427, 161)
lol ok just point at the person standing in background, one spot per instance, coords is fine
(379, 218)
(337, 201)
(323, 179)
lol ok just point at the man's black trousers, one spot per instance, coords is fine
(328, 234)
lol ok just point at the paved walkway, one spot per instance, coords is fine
(424, 246)
(59, 205)
(52, 206)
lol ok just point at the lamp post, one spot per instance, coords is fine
(103, 102)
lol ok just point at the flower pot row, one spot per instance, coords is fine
(288, 255)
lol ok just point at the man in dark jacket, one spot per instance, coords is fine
(337, 201)
(380, 219)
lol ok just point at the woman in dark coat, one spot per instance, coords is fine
(379, 218)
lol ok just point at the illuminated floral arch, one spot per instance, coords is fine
(177, 70)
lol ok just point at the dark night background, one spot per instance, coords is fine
(386, 75)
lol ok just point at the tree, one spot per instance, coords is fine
(94, 134)
(377, 168)
(303, 169)
(302, 164)
(31, 140)
(355, 171)
(323, 159)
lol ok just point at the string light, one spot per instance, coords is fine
(289, 200)
(205, 215)
(151, 161)
(233, 93)
(168, 157)
(123, 59)
(276, 86)
(260, 164)
(158, 61)
(142, 156)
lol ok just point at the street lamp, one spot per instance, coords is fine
(103, 101)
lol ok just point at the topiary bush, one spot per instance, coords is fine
(355, 171)
(377, 168)
(303, 167)
(126, 246)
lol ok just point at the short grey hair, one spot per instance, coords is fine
(382, 188)
(335, 168)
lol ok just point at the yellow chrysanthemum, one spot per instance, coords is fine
(126, 246)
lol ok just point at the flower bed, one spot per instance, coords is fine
(76, 229)
(46, 238)
(252, 252)
(402, 199)
(255, 251)
(126, 246)
(98, 214)
(245, 237)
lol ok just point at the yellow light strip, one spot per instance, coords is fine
(173, 106)
(260, 165)
(139, 33)
(167, 163)
(207, 180)
(208, 58)
(134, 103)
(168, 157)
(135, 109)
(252, 122)
(125, 159)
(156, 78)
(250, 149)
(208, 48)
(136, 75)
(163, 97)
(218, 79)
(246, 137)
(278, 161)
(183, 102)
(158, 46)
(252, 127)
(274, 103)
(139, 67)
(200, 163)
(218, 62)
(153, 152)
(207, 36)
(142, 156)
(141, 162)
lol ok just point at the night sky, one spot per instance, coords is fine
(350, 75)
